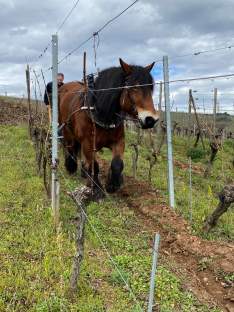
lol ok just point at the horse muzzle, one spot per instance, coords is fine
(147, 122)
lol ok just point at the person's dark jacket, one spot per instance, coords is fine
(48, 93)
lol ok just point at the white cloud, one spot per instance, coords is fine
(147, 31)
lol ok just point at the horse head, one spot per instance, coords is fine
(136, 99)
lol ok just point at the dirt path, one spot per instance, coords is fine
(203, 263)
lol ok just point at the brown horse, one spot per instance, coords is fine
(106, 109)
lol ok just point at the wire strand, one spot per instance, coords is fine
(117, 16)
(155, 83)
(67, 16)
(97, 32)
(58, 29)
(196, 53)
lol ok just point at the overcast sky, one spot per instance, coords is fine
(143, 34)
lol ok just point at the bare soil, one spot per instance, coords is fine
(195, 168)
(203, 264)
(13, 113)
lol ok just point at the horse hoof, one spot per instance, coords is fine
(70, 165)
(110, 188)
(71, 168)
(114, 187)
(98, 195)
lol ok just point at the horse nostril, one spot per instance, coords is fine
(150, 122)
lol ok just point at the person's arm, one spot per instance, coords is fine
(48, 93)
(49, 114)
(47, 99)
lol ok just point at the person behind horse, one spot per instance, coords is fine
(48, 93)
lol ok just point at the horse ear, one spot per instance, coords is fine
(125, 67)
(149, 67)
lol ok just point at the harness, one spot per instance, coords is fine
(90, 98)
(93, 114)
(120, 116)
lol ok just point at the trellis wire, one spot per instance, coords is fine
(96, 32)
(154, 83)
(58, 29)
(196, 53)
(67, 16)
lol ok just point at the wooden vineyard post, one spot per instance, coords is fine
(196, 116)
(215, 110)
(29, 101)
(81, 198)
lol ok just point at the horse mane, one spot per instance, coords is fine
(107, 103)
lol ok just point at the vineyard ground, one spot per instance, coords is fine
(195, 270)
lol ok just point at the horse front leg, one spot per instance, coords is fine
(90, 169)
(71, 151)
(115, 176)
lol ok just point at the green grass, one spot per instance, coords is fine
(223, 120)
(35, 262)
